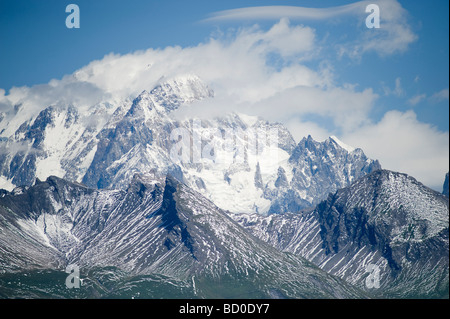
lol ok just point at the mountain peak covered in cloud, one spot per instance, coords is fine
(286, 72)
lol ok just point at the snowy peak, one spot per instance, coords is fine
(106, 146)
(342, 144)
(385, 220)
(59, 141)
(306, 143)
(173, 93)
(332, 142)
(168, 96)
(142, 106)
(319, 168)
(391, 195)
(332, 151)
(393, 221)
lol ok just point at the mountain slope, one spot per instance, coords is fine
(157, 228)
(319, 169)
(386, 219)
(242, 163)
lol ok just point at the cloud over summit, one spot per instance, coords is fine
(275, 73)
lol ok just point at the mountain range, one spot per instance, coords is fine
(386, 219)
(149, 204)
(157, 230)
(105, 145)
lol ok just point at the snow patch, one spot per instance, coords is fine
(248, 119)
(346, 147)
(6, 184)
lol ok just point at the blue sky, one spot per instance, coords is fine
(402, 77)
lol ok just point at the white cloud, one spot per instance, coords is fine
(396, 91)
(288, 40)
(437, 97)
(343, 109)
(293, 12)
(237, 67)
(440, 96)
(394, 36)
(300, 129)
(416, 99)
(347, 109)
(402, 143)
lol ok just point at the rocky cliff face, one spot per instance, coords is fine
(157, 228)
(385, 219)
(317, 170)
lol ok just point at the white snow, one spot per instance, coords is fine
(48, 167)
(248, 119)
(346, 147)
(240, 194)
(30, 228)
(6, 184)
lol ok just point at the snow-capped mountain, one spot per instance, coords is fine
(321, 207)
(317, 170)
(242, 163)
(157, 227)
(386, 219)
(63, 140)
